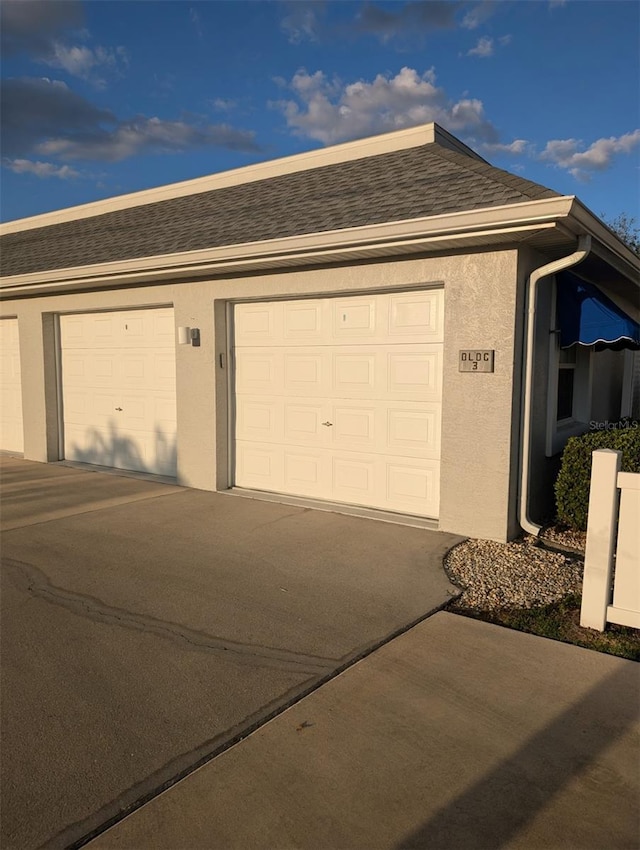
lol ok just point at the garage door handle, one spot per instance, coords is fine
(118, 408)
(327, 423)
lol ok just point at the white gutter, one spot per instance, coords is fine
(55, 281)
(468, 224)
(584, 247)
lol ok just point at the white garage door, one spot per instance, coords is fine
(340, 399)
(118, 389)
(11, 433)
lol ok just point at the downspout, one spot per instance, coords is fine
(584, 246)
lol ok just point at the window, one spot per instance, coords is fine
(567, 361)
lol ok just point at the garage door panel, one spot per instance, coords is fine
(164, 372)
(136, 370)
(147, 412)
(94, 444)
(150, 369)
(73, 366)
(303, 424)
(118, 380)
(417, 315)
(304, 473)
(353, 478)
(302, 321)
(258, 371)
(258, 324)
(10, 367)
(101, 408)
(340, 399)
(415, 373)
(165, 414)
(104, 369)
(305, 373)
(367, 480)
(89, 370)
(260, 466)
(354, 319)
(415, 488)
(354, 373)
(259, 419)
(355, 426)
(414, 432)
(75, 407)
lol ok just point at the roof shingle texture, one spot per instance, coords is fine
(422, 181)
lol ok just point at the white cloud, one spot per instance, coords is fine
(406, 19)
(331, 112)
(43, 29)
(566, 153)
(194, 17)
(518, 146)
(483, 49)
(41, 169)
(223, 105)
(478, 15)
(146, 135)
(37, 109)
(32, 26)
(45, 117)
(504, 40)
(302, 21)
(82, 61)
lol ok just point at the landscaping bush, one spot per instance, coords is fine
(572, 484)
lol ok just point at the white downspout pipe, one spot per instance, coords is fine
(584, 246)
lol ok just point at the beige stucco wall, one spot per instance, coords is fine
(480, 411)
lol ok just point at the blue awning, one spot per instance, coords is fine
(587, 317)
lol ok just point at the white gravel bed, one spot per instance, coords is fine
(511, 575)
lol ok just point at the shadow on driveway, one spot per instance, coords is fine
(146, 627)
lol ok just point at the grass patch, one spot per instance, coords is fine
(561, 621)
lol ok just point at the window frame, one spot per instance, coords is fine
(559, 431)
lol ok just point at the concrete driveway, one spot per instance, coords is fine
(145, 627)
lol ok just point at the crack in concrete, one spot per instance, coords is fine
(32, 580)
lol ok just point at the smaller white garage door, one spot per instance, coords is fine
(340, 399)
(118, 389)
(11, 433)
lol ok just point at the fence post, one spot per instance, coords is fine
(601, 535)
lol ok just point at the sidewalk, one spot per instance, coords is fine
(457, 734)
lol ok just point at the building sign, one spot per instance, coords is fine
(476, 361)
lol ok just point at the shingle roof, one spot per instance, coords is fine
(421, 181)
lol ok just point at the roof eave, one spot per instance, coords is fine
(605, 243)
(452, 231)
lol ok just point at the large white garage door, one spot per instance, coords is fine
(118, 389)
(11, 433)
(340, 399)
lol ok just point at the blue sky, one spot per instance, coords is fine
(112, 96)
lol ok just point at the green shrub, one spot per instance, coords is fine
(572, 484)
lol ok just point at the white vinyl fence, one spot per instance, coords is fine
(613, 545)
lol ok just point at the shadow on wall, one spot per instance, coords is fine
(147, 451)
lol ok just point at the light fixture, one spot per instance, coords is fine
(189, 336)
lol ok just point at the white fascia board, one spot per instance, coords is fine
(378, 237)
(345, 152)
(12, 287)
